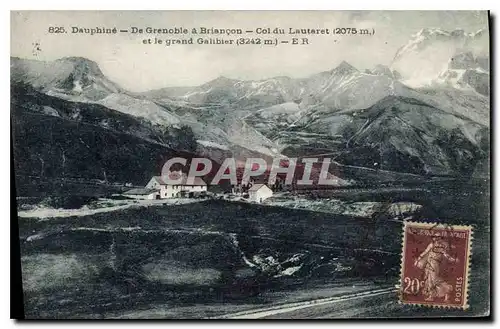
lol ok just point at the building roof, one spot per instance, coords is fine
(159, 180)
(257, 187)
(140, 191)
(198, 181)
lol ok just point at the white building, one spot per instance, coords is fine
(181, 189)
(143, 193)
(259, 192)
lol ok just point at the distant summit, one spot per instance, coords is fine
(466, 71)
(422, 59)
(345, 68)
(74, 78)
(83, 64)
(220, 81)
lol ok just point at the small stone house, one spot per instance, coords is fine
(181, 189)
(259, 192)
(143, 193)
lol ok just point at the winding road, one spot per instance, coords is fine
(338, 306)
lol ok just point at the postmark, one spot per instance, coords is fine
(435, 265)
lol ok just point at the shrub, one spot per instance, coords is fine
(67, 202)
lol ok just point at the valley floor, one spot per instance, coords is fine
(198, 258)
(270, 300)
(102, 206)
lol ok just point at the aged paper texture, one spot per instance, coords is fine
(252, 164)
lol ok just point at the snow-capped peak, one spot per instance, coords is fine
(427, 32)
(344, 68)
(466, 71)
(429, 37)
(380, 69)
(428, 52)
(75, 78)
(83, 65)
(221, 81)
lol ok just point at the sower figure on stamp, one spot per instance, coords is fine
(431, 261)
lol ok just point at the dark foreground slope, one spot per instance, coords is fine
(62, 142)
(219, 254)
(210, 252)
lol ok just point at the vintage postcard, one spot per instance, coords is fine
(251, 164)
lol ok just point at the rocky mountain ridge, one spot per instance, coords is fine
(352, 114)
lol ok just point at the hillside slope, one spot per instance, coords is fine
(62, 140)
(398, 134)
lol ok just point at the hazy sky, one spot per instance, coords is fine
(137, 67)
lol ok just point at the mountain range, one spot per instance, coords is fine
(377, 118)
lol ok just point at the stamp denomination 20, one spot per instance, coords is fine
(435, 264)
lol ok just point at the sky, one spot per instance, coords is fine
(138, 67)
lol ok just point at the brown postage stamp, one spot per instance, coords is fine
(435, 264)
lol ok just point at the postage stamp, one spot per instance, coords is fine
(435, 264)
